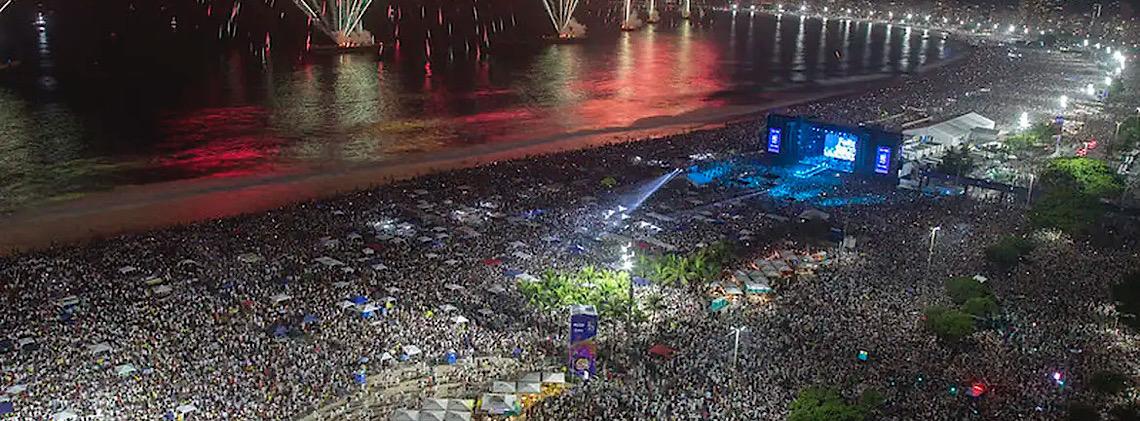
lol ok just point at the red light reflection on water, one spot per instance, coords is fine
(218, 143)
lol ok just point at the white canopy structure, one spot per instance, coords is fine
(502, 387)
(99, 348)
(432, 415)
(64, 416)
(461, 405)
(125, 370)
(554, 378)
(280, 298)
(528, 387)
(411, 350)
(432, 404)
(186, 408)
(447, 308)
(459, 320)
(15, 389)
(457, 416)
(499, 404)
(531, 377)
(732, 290)
(405, 415)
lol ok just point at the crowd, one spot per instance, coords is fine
(246, 318)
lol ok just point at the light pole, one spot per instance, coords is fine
(1115, 138)
(1029, 197)
(930, 251)
(736, 342)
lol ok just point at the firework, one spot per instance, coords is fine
(339, 19)
(4, 4)
(561, 13)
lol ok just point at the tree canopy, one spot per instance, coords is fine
(949, 324)
(823, 404)
(963, 288)
(1008, 251)
(1035, 136)
(605, 289)
(1073, 189)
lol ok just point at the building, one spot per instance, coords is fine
(930, 142)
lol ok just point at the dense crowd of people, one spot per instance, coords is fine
(270, 316)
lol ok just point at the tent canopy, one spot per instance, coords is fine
(529, 387)
(405, 415)
(499, 404)
(502, 387)
(411, 350)
(460, 405)
(553, 377)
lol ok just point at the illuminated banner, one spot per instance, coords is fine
(774, 140)
(583, 351)
(883, 160)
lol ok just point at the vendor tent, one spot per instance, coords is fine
(411, 350)
(732, 290)
(457, 416)
(15, 389)
(459, 320)
(447, 308)
(461, 405)
(554, 378)
(432, 404)
(280, 298)
(125, 370)
(528, 387)
(405, 415)
(531, 377)
(64, 416)
(186, 408)
(431, 415)
(502, 387)
(500, 404)
(99, 348)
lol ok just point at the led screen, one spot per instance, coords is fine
(840, 146)
(774, 140)
(883, 160)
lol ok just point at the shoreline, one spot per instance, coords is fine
(139, 208)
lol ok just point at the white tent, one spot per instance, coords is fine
(125, 370)
(432, 415)
(461, 405)
(345, 304)
(529, 387)
(411, 350)
(526, 277)
(279, 298)
(554, 378)
(498, 404)
(502, 387)
(186, 408)
(531, 377)
(98, 348)
(64, 416)
(386, 356)
(446, 308)
(732, 290)
(459, 320)
(15, 389)
(328, 261)
(405, 415)
(162, 290)
(457, 416)
(496, 289)
(127, 269)
(432, 404)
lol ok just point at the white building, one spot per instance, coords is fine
(931, 142)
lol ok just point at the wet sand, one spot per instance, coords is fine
(134, 209)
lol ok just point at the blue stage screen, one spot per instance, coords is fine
(774, 140)
(883, 160)
(841, 146)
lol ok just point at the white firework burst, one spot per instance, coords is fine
(339, 19)
(561, 12)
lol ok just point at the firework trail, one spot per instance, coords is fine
(561, 13)
(339, 19)
(4, 4)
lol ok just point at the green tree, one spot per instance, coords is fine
(957, 161)
(1108, 382)
(1067, 210)
(1083, 175)
(980, 307)
(1035, 136)
(822, 404)
(963, 288)
(949, 324)
(1008, 251)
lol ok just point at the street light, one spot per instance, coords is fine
(930, 252)
(736, 342)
